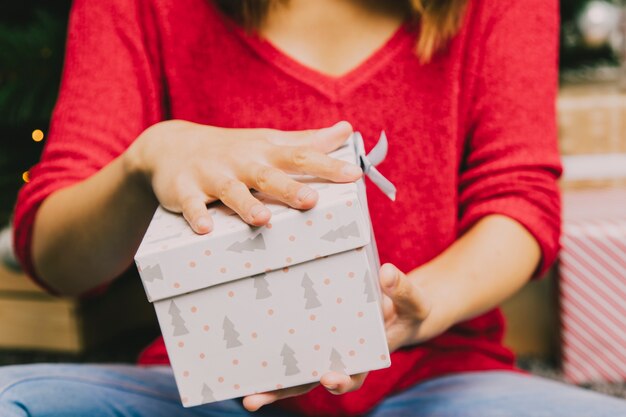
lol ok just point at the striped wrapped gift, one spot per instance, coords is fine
(592, 285)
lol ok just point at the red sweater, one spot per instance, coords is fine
(471, 133)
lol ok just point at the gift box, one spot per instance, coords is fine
(252, 309)
(592, 285)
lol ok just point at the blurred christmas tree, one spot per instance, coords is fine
(32, 37)
(592, 38)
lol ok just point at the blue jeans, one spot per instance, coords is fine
(126, 390)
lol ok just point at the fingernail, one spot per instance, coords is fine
(257, 210)
(351, 170)
(304, 193)
(202, 223)
(339, 126)
(390, 282)
(331, 387)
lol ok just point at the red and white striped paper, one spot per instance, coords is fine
(592, 286)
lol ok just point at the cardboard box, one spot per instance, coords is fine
(592, 119)
(246, 310)
(31, 319)
(532, 328)
(592, 268)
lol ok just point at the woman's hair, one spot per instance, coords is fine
(439, 19)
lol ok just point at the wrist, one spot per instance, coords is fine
(446, 305)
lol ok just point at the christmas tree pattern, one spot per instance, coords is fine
(261, 285)
(342, 232)
(250, 244)
(369, 288)
(150, 273)
(335, 362)
(165, 238)
(207, 394)
(289, 360)
(309, 293)
(231, 336)
(177, 320)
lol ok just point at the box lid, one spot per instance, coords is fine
(594, 213)
(173, 260)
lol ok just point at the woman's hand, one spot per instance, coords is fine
(334, 382)
(412, 314)
(189, 165)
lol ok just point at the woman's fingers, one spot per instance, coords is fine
(304, 152)
(236, 195)
(196, 213)
(388, 310)
(264, 167)
(337, 383)
(334, 382)
(276, 183)
(323, 140)
(408, 301)
(256, 401)
(304, 160)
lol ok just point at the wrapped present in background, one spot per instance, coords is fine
(592, 286)
(248, 309)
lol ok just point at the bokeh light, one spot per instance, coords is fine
(37, 135)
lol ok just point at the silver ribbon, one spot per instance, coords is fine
(369, 161)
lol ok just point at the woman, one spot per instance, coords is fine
(465, 91)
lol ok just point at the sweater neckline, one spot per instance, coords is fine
(333, 87)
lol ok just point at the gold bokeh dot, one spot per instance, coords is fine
(37, 135)
(26, 176)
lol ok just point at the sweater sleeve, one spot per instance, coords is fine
(511, 161)
(110, 92)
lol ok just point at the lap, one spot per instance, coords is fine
(498, 394)
(63, 390)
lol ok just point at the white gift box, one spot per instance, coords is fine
(253, 309)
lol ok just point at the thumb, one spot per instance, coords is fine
(408, 300)
(323, 140)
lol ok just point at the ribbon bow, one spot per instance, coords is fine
(369, 161)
